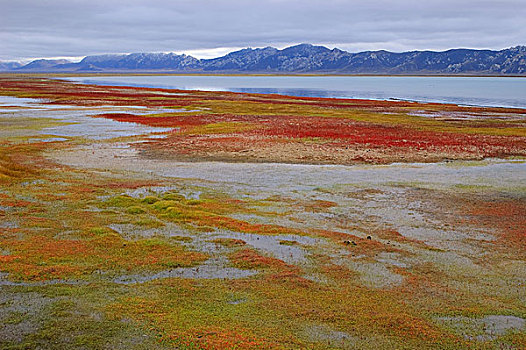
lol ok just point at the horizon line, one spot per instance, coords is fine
(227, 50)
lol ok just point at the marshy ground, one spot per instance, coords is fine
(135, 218)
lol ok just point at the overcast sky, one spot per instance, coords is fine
(210, 28)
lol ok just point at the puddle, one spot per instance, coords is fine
(79, 122)
(291, 254)
(211, 269)
(99, 128)
(269, 244)
(372, 274)
(9, 101)
(466, 116)
(161, 190)
(131, 232)
(5, 282)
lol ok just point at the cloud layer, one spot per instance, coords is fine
(31, 28)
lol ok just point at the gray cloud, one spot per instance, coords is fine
(38, 28)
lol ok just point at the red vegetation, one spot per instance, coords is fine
(251, 259)
(297, 129)
(507, 216)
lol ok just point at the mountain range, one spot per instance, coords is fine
(303, 58)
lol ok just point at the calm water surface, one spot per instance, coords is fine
(477, 91)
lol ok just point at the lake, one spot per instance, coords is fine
(474, 91)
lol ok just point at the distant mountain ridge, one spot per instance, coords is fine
(7, 65)
(303, 58)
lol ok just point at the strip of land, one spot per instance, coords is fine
(273, 128)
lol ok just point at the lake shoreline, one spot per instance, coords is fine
(468, 91)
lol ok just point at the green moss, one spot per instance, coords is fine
(153, 242)
(78, 320)
(149, 199)
(150, 223)
(173, 197)
(100, 231)
(135, 210)
(15, 317)
(121, 201)
(229, 242)
(472, 187)
(185, 239)
(164, 204)
(288, 243)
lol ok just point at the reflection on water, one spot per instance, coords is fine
(74, 121)
(479, 91)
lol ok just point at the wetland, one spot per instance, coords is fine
(153, 218)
